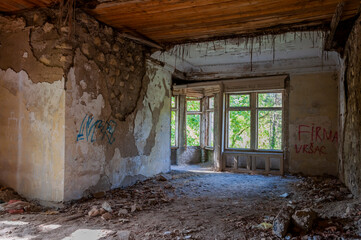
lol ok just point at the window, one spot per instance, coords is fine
(239, 121)
(254, 121)
(193, 121)
(269, 119)
(210, 121)
(174, 121)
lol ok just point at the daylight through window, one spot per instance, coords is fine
(210, 121)
(193, 121)
(174, 121)
(254, 121)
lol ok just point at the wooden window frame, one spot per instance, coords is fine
(207, 115)
(254, 109)
(176, 110)
(194, 113)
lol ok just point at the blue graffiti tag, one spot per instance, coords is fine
(89, 125)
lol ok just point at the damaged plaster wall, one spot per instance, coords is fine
(350, 110)
(32, 115)
(117, 113)
(81, 105)
(313, 124)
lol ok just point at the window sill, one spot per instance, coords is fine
(209, 148)
(260, 152)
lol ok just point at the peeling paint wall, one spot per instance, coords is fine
(117, 113)
(81, 106)
(139, 146)
(313, 124)
(32, 116)
(350, 112)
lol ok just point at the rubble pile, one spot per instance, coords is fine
(11, 202)
(304, 217)
(121, 203)
(319, 190)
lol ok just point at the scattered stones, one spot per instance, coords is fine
(122, 211)
(106, 206)
(107, 216)
(264, 226)
(282, 221)
(285, 195)
(133, 208)
(93, 212)
(304, 219)
(125, 235)
(162, 177)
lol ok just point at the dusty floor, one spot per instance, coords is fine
(196, 203)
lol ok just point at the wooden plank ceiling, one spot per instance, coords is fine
(177, 21)
(17, 5)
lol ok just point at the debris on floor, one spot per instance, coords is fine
(203, 205)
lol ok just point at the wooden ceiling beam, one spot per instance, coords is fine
(133, 35)
(333, 26)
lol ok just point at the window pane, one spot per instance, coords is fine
(211, 103)
(270, 130)
(239, 130)
(270, 100)
(173, 128)
(239, 100)
(193, 130)
(210, 128)
(193, 106)
(174, 105)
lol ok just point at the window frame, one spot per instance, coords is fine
(254, 110)
(194, 113)
(258, 109)
(176, 110)
(209, 110)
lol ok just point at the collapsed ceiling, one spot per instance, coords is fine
(179, 21)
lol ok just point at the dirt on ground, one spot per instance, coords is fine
(196, 203)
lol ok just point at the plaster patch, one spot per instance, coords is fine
(33, 119)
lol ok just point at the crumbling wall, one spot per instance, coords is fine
(82, 105)
(32, 112)
(313, 124)
(117, 113)
(350, 109)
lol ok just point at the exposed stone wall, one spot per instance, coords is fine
(112, 106)
(103, 152)
(350, 109)
(313, 124)
(32, 115)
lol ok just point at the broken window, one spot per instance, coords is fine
(254, 120)
(193, 121)
(174, 121)
(210, 121)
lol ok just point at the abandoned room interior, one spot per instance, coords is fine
(180, 119)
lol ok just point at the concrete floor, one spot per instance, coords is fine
(202, 205)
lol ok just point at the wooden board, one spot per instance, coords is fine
(178, 20)
(17, 5)
(170, 21)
